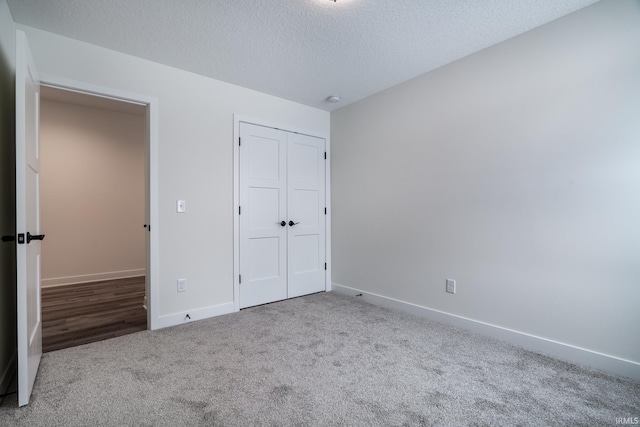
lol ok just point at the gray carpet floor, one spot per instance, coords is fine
(324, 360)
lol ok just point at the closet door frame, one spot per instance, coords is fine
(236, 195)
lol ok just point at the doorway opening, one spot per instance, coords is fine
(94, 206)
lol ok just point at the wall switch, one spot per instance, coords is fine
(182, 285)
(451, 286)
(181, 206)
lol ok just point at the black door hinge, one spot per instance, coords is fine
(325, 211)
(239, 278)
(239, 210)
(325, 155)
(21, 238)
(325, 265)
(239, 141)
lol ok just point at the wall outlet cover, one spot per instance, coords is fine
(451, 286)
(182, 285)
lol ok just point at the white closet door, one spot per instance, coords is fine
(282, 215)
(306, 204)
(263, 192)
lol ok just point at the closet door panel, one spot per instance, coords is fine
(263, 193)
(306, 203)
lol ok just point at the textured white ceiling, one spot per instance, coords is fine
(302, 50)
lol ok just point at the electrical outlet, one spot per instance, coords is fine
(451, 286)
(182, 285)
(181, 206)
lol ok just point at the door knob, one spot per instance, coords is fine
(31, 237)
(291, 223)
(283, 223)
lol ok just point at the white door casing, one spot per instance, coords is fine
(27, 219)
(154, 320)
(281, 181)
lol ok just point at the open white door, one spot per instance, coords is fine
(27, 219)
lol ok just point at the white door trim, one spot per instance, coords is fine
(153, 257)
(237, 118)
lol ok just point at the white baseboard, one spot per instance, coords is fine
(192, 315)
(9, 372)
(567, 352)
(86, 278)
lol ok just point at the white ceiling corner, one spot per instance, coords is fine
(302, 50)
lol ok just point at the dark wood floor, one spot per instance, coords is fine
(82, 313)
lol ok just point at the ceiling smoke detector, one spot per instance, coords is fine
(333, 99)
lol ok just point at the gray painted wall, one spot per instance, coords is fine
(514, 171)
(7, 197)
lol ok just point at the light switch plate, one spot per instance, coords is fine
(181, 207)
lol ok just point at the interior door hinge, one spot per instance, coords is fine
(325, 211)
(239, 278)
(325, 265)
(325, 155)
(239, 141)
(239, 210)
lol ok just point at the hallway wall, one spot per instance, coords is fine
(92, 193)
